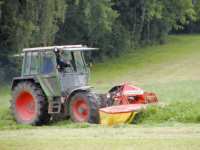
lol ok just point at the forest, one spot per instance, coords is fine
(115, 26)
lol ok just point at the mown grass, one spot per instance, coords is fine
(171, 71)
(181, 91)
(106, 138)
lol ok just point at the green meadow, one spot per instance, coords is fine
(170, 70)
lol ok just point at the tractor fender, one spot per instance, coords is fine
(79, 89)
(114, 88)
(17, 80)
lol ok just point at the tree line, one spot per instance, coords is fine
(112, 25)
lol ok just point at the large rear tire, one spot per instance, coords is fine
(84, 107)
(28, 104)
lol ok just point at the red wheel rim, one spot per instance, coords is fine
(80, 110)
(25, 106)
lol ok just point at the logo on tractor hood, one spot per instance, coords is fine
(134, 92)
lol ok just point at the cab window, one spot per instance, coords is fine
(68, 57)
(31, 63)
(80, 64)
(48, 63)
(27, 63)
(34, 63)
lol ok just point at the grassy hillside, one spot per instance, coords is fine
(170, 70)
(176, 60)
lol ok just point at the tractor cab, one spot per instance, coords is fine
(59, 69)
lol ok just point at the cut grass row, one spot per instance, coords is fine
(98, 138)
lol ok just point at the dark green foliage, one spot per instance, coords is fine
(149, 21)
(26, 23)
(88, 22)
(194, 25)
(112, 25)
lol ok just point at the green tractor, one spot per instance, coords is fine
(54, 80)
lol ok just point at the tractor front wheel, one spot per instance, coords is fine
(84, 108)
(28, 104)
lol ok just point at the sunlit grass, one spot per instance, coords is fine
(177, 60)
(171, 71)
(106, 138)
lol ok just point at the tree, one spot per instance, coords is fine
(194, 25)
(87, 22)
(26, 23)
(151, 20)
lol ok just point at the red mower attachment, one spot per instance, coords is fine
(125, 101)
(130, 94)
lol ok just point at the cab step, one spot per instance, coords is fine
(54, 106)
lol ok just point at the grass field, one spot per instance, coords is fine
(170, 70)
(174, 62)
(102, 138)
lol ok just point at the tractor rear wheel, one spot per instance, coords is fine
(28, 104)
(84, 107)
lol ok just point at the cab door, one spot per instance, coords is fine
(48, 76)
(76, 75)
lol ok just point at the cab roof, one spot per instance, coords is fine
(63, 47)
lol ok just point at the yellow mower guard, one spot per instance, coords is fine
(119, 114)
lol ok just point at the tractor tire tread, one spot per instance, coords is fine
(93, 102)
(42, 116)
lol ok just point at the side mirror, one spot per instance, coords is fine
(90, 64)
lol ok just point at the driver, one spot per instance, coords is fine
(61, 61)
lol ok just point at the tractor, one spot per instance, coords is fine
(54, 81)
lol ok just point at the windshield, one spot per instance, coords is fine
(48, 64)
(79, 61)
(74, 61)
